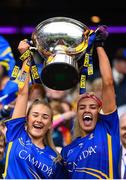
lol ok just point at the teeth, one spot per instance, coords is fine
(37, 126)
(87, 116)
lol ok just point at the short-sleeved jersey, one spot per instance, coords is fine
(97, 154)
(24, 160)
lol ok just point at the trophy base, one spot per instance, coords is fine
(60, 76)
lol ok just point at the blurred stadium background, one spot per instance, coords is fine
(19, 17)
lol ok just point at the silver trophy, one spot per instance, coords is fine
(61, 41)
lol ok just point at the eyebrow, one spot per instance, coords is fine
(39, 113)
(35, 112)
(88, 104)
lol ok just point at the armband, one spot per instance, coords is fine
(25, 55)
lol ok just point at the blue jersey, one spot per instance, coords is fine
(97, 154)
(24, 160)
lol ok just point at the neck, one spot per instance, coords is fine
(39, 142)
(124, 145)
(83, 133)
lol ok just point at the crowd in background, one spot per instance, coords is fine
(63, 103)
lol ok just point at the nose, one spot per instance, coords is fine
(39, 119)
(87, 109)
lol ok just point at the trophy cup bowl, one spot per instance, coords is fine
(60, 41)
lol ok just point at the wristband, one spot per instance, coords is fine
(25, 55)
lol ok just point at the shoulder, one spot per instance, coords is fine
(110, 114)
(110, 122)
(15, 119)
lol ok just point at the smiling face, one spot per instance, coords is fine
(87, 114)
(39, 121)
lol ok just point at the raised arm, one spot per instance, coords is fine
(108, 93)
(22, 98)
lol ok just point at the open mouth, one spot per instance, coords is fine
(87, 119)
(37, 126)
